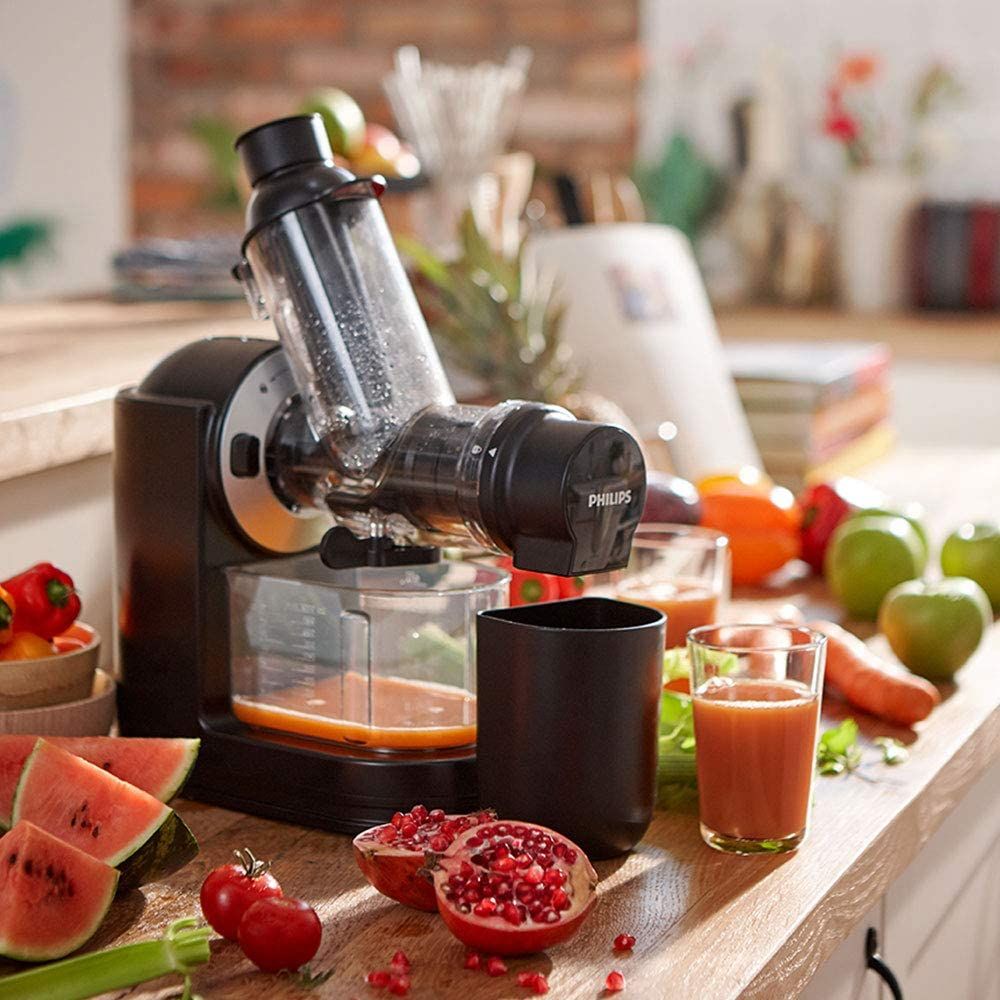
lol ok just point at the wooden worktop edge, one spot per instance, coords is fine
(871, 874)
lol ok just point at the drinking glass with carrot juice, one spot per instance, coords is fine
(756, 696)
(680, 570)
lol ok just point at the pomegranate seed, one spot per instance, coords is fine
(397, 820)
(419, 813)
(559, 850)
(409, 828)
(534, 875)
(511, 914)
(560, 900)
(399, 986)
(540, 985)
(624, 942)
(503, 864)
(473, 960)
(466, 871)
(378, 977)
(486, 907)
(554, 877)
(386, 834)
(475, 841)
(500, 830)
(436, 815)
(615, 982)
(439, 843)
(495, 966)
(400, 959)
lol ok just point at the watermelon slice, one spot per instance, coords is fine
(100, 814)
(157, 766)
(52, 896)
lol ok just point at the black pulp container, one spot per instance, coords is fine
(568, 712)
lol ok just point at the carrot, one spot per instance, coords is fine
(867, 683)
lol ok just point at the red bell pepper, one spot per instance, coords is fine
(7, 606)
(824, 506)
(47, 602)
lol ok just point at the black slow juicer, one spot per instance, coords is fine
(340, 444)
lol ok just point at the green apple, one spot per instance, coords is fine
(973, 550)
(913, 513)
(867, 557)
(343, 118)
(935, 627)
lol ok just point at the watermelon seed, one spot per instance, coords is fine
(27, 867)
(12, 860)
(106, 765)
(72, 822)
(96, 832)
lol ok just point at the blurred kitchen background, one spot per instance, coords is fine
(833, 166)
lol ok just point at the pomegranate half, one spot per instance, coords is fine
(511, 888)
(392, 856)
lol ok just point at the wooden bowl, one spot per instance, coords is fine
(90, 716)
(54, 680)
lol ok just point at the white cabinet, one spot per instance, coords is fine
(844, 975)
(942, 933)
(939, 922)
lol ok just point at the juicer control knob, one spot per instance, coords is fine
(244, 456)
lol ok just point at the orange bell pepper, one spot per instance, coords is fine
(7, 609)
(27, 646)
(762, 525)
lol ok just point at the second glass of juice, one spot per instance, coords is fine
(682, 571)
(756, 696)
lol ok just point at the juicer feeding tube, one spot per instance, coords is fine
(376, 435)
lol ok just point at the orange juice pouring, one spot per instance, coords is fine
(756, 696)
(680, 570)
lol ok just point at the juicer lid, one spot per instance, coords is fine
(290, 164)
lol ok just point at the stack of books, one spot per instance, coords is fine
(816, 411)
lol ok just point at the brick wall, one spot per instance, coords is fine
(249, 60)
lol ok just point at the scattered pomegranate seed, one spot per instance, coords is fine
(534, 981)
(399, 986)
(495, 966)
(400, 961)
(473, 960)
(615, 982)
(378, 977)
(624, 942)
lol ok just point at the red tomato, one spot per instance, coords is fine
(530, 588)
(280, 933)
(231, 890)
(570, 586)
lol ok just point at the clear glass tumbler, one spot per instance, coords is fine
(756, 695)
(682, 571)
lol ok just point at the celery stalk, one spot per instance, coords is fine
(182, 947)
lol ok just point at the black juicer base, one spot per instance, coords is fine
(325, 788)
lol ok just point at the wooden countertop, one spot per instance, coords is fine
(707, 925)
(933, 337)
(61, 363)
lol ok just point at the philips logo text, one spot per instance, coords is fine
(611, 499)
